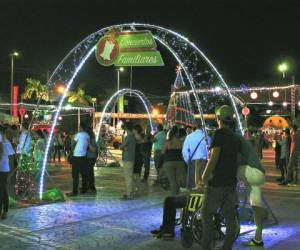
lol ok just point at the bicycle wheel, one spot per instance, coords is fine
(196, 226)
(186, 231)
(219, 226)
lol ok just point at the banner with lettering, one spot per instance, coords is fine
(129, 48)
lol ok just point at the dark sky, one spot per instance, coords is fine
(244, 39)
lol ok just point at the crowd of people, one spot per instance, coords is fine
(22, 153)
(173, 150)
(287, 149)
(184, 157)
(16, 144)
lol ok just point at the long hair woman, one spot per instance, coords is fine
(138, 159)
(173, 162)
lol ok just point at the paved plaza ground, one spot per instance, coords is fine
(105, 222)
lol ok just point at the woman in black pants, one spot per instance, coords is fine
(5, 151)
(138, 159)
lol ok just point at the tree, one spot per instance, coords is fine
(79, 98)
(35, 90)
(180, 110)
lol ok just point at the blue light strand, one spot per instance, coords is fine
(79, 56)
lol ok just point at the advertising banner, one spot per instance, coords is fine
(130, 48)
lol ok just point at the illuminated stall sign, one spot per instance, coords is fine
(130, 48)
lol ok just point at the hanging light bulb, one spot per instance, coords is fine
(284, 104)
(270, 103)
(253, 95)
(275, 94)
(299, 103)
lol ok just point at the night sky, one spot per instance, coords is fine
(244, 39)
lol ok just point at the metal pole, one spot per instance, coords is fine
(11, 84)
(293, 97)
(118, 99)
(130, 79)
(118, 80)
(78, 119)
(93, 115)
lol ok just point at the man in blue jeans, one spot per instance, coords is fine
(220, 180)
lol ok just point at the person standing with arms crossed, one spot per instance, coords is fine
(128, 157)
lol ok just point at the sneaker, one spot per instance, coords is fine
(4, 216)
(280, 179)
(254, 243)
(165, 235)
(156, 231)
(71, 194)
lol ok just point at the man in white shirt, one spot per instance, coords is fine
(24, 141)
(79, 160)
(5, 151)
(195, 154)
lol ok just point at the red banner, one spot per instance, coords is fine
(15, 100)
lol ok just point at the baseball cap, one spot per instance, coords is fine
(225, 113)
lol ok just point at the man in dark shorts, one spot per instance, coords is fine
(220, 180)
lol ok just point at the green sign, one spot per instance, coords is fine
(142, 58)
(136, 40)
(131, 48)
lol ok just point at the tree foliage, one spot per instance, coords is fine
(79, 97)
(35, 90)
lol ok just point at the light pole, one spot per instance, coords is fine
(12, 55)
(283, 67)
(121, 69)
(94, 100)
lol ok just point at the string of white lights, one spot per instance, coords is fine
(50, 107)
(240, 90)
(187, 54)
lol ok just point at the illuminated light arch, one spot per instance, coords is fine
(176, 43)
(115, 97)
